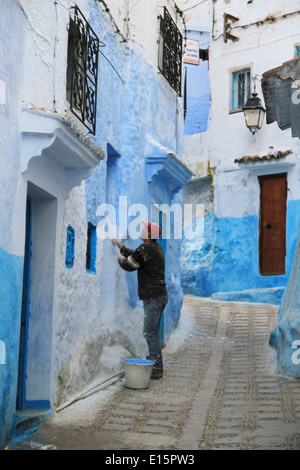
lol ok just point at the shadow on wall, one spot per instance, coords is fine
(197, 117)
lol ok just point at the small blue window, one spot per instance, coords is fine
(240, 88)
(298, 50)
(70, 248)
(91, 249)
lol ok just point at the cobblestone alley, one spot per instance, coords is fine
(220, 391)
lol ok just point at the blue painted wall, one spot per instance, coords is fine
(11, 275)
(12, 30)
(198, 90)
(120, 135)
(229, 259)
(286, 338)
(128, 110)
(127, 113)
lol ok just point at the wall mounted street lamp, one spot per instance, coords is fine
(254, 111)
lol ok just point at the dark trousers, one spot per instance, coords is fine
(153, 309)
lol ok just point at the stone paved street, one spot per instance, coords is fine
(220, 391)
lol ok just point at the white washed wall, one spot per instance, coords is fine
(236, 201)
(261, 48)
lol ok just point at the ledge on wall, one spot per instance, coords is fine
(274, 155)
(271, 296)
(49, 134)
(164, 162)
(273, 161)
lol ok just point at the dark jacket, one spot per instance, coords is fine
(149, 260)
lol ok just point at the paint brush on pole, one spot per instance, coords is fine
(112, 230)
(89, 390)
(107, 229)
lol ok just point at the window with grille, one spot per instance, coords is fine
(241, 88)
(170, 51)
(82, 70)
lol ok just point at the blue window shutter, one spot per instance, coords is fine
(70, 247)
(91, 249)
(240, 88)
(298, 51)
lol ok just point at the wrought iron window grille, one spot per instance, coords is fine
(170, 52)
(82, 70)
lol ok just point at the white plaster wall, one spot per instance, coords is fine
(197, 13)
(85, 332)
(95, 324)
(94, 329)
(44, 86)
(196, 152)
(78, 332)
(261, 48)
(46, 46)
(137, 20)
(44, 83)
(198, 16)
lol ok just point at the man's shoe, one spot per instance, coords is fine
(157, 374)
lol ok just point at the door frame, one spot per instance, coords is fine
(21, 389)
(39, 280)
(261, 178)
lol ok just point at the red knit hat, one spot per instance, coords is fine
(154, 229)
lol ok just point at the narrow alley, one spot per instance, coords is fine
(150, 199)
(220, 392)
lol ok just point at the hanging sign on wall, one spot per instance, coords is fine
(191, 55)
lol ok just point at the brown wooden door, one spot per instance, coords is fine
(273, 200)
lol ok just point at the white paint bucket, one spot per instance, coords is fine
(137, 372)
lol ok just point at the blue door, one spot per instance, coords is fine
(24, 313)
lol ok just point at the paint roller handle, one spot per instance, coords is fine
(116, 242)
